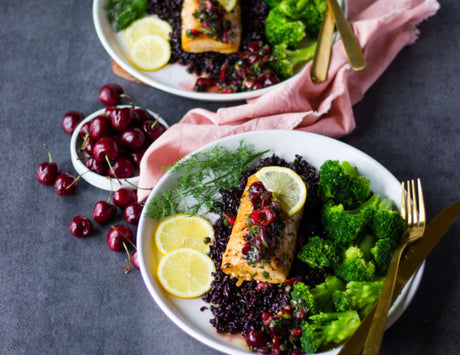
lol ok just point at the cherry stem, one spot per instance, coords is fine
(73, 182)
(49, 153)
(111, 168)
(82, 147)
(128, 261)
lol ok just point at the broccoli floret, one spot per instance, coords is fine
(325, 328)
(280, 29)
(314, 300)
(358, 296)
(387, 222)
(346, 226)
(354, 266)
(309, 11)
(319, 253)
(340, 182)
(272, 3)
(287, 60)
(382, 252)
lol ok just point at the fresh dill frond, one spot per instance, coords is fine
(200, 177)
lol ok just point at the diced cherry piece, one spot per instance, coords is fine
(123, 197)
(263, 217)
(81, 227)
(119, 235)
(71, 120)
(256, 338)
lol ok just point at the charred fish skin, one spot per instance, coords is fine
(274, 269)
(194, 36)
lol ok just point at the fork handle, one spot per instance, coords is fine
(375, 336)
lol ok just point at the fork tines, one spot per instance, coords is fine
(411, 211)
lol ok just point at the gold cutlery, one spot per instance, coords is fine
(320, 64)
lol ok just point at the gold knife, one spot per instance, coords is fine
(414, 258)
(352, 49)
(320, 64)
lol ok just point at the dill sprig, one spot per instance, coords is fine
(200, 177)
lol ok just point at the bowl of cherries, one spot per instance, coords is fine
(106, 147)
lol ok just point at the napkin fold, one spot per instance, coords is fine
(382, 27)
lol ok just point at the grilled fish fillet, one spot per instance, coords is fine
(274, 270)
(204, 43)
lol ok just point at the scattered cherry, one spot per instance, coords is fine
(47, 172)
(81, 227)
(135, 260)
(132, 213)
(71, 120)
(119, 235)
(109, 94)
(65, 184)
(104, 212)
(123, 197)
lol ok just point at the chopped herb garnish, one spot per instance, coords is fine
(121, 13)
(200, 178)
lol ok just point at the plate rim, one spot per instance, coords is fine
(396, 310)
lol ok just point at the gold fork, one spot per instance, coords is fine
(414, 214)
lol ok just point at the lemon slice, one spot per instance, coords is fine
(150, 52)
(150, 25)
(183, 230)
(287, 185)
(228, 5)
(186, 272)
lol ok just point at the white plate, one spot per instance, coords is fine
(315, 149)
(97, 180)
(173, 78)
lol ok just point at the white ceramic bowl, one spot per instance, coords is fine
(315, 149)
(97, 180)
(171, 78)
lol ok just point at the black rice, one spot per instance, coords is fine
(240, 309)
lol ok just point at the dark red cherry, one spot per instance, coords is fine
(106, 147)
(84, 129)
(109, 94)
(123, 197)
(47, 172)
(99, 167)
(133, 139)
(104, 212)
(143, 114)
(119, 235)
(132, 213)
(123, 167)
(135, 260)
(88, 145)
(65, 184)
(71, 120)
(153, 129)
(100, 127)
(81, 227)
(136, 157)
(122, 118)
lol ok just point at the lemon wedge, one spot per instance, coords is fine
(287, 185)
(184, 230)
(228, 5)
(150, 25)
(186, 272)
(150, 52)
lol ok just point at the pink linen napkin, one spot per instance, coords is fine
(383, 28)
